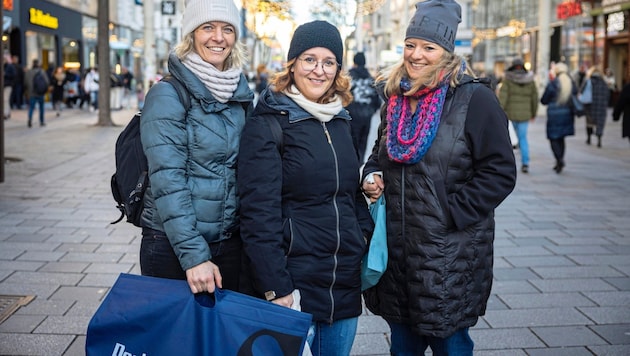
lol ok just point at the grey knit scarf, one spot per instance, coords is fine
(221, 84)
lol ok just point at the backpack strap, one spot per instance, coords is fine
(182, 92)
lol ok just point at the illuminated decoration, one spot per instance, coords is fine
(38, 17)
(513, 29)
(568, 9)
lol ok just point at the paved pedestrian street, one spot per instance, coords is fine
(562, 249)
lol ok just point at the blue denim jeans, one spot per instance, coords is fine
(332, 340)
(520, 127)
(158, 259)
(407, 343)
(31, 106)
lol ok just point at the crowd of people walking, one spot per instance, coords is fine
(64, 88)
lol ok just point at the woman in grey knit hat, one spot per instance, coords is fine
(190, 218)
(444, 162)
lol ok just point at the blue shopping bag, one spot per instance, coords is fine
(155, 316)
(375, 260)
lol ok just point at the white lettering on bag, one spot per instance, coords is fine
(119, 350)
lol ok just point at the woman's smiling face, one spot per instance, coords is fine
(213, 41)
(419, 54)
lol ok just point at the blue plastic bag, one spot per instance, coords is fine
(375, 260)
(155, 316)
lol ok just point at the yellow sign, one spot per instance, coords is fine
(38, 17)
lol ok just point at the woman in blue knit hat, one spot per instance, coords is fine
(304, 221)
(444, 161)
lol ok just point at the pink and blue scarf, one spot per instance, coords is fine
(409, 136)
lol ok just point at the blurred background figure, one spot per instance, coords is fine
(609, 77)
(17, 90)
(9, 76)
(519, 98)
(58, 82)
(595, 110)
(623, 107)
(365, 103)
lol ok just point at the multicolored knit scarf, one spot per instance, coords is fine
(410, 136)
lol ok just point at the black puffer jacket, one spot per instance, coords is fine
(303, 217)
(440, 219)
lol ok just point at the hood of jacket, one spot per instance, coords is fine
(519, 76)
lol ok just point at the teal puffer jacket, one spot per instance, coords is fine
(192, 158)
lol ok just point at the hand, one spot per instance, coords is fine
(375, 189)
(204, 277)
(286, 301)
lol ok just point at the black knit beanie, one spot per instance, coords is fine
(316, 34)
(436, 21)
(359, 59)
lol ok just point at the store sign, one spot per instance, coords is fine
(38, 17)
(568, 9)
(7, 5)
(616, 22)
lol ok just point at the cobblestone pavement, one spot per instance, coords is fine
(562, 262)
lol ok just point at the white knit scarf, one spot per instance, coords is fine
(322, 112)
(221, 84)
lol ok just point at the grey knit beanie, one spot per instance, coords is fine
(316, 34)
(198, 12)
(436, 21)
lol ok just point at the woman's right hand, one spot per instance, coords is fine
(204, 277)
(286, 301)
(373, 189)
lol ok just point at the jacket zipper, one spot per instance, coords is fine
(334, 272)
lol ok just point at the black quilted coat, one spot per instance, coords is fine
(440, 219)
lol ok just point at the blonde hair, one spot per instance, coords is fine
(236, 59)
(565, 81)
(449, 65)
(283, 80)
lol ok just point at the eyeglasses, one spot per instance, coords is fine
(309, 64)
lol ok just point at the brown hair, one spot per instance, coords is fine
(283, 80)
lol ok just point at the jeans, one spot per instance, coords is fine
(94, 99)
(332, 340)
(407, 343)
(31, 106)
(158, 259)
(520, 127)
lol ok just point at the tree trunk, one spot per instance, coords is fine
(104, 112)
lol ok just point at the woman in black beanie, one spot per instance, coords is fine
(444, 162)
(303, 217)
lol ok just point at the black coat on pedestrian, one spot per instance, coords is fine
(303, 217)
(623, 107)
(440, 216)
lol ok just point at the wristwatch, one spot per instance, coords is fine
(270, 295)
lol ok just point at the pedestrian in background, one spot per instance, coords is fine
(59, 81)
(596, 110)
(518, 96)
(91, 86)
(10, 73)
(623, 107)
(17, 92)
(33, 96)
(303, 218)
(190, 218)
(364, 104)
(444, 162)
(560, 115)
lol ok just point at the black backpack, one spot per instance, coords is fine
(131, 178)
(40, 84)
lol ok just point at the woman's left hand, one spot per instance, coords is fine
(204, 277)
